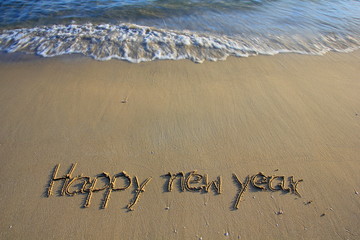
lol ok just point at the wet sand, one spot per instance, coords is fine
(285, 115)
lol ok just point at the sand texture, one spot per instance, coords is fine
(285, 115)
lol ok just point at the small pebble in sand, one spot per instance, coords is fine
(10, 226)
(254, 197)
(152, 152)
(124, 101)
(226, 234)
(356, 192)
(322, 215)
(175, 231)
(277, 225)
(276, 170)
(167, 208)
(308, 202)
(280, 212)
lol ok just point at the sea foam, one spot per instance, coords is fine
(136, 43)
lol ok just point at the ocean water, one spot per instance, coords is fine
(145, 30)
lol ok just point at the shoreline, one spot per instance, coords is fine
(284, 115)
(21, 57)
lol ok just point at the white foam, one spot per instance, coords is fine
(140, 43)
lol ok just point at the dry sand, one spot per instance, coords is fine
(299, 115)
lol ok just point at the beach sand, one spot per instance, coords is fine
(290, 115)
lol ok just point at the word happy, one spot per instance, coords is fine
(191, 181)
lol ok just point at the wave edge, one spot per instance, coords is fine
(135, 43)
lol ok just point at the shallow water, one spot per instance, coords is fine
(178, 29)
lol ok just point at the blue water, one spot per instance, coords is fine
(145, 30)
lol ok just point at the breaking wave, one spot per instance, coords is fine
(136, 43)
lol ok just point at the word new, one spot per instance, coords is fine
(191, 181)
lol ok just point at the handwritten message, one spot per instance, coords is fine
(191, 181)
